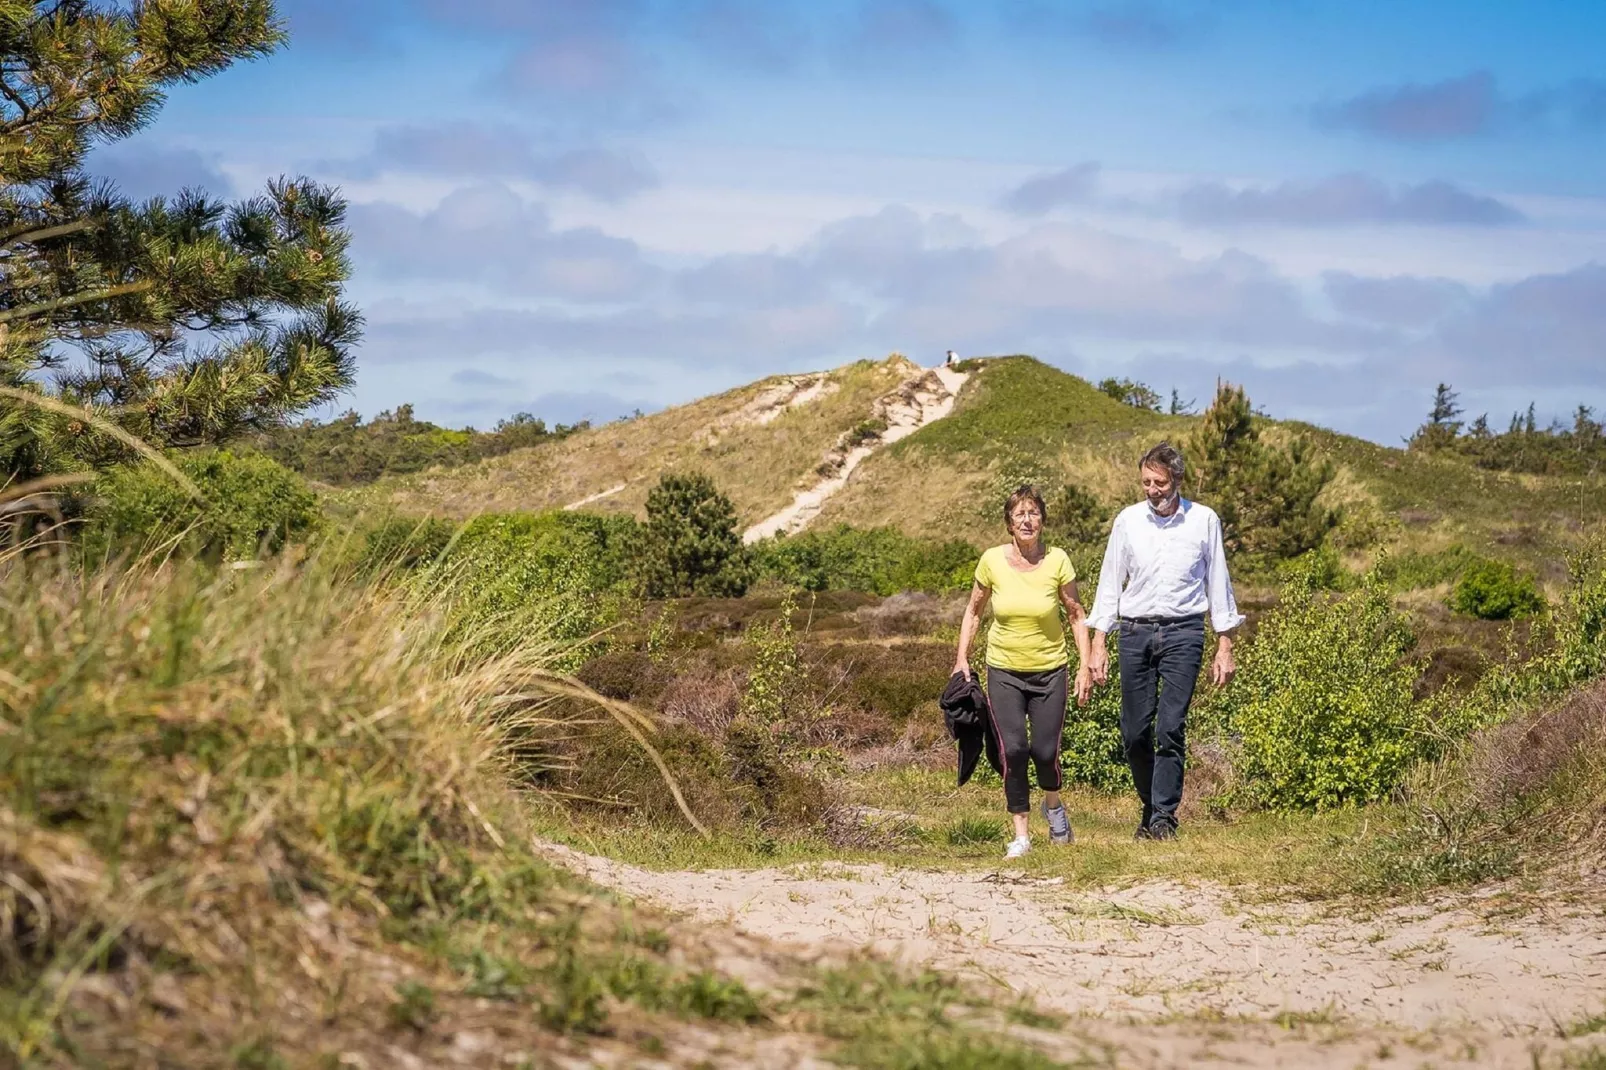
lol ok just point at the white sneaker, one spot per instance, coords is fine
(1017, 847)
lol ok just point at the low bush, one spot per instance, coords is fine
(567, 568)
(1413, 570)
(403, 543)
(1322, 713)
(1493, 590)
(250, 506)
(1090, 750)
(876, 560)
(346, 451)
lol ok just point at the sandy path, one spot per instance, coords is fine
(1461, 986)
(916, 403)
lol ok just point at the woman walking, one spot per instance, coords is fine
(1026, 659)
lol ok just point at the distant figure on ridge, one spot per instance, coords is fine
(953, 358)
(1027, 584)
(1164, 567)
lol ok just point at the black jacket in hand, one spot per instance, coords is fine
(970, 723)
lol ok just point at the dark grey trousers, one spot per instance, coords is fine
(1018, 699)
(1159, 668)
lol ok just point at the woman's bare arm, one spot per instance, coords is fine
(1074, 612)
(979, 596)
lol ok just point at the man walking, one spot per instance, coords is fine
(1164, 568)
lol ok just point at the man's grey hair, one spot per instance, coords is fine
(1164, 455)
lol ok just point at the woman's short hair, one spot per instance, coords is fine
(1026, 492)
(1166, 456)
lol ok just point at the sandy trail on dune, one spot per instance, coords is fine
(918, 402)
(1147, 969)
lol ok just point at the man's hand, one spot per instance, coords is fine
(1084, 685)
(962, 668)
(1222, 667)
(1098, 660)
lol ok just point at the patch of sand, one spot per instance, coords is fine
(1166, 971)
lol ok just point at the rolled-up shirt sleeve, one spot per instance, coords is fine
(1224, 615)
(1112, 574)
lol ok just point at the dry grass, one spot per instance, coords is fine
(266, 817)
(242, 811)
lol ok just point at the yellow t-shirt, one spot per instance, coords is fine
(1026, 633)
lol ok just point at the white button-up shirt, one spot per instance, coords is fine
(1165, 566)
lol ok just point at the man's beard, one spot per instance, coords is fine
(1166, 505)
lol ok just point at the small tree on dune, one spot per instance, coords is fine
(1442, 428)
(690, 545)
(1267, 496)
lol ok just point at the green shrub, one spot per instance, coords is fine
(568, 568)
(880, 561)
(1320, 567)
(1574, 637)
(1412, 571)
(690, 545)
(345, 451)
(1492, 590)
(1322, 710)
(1090, 749)
(250, 505)
(404, 542)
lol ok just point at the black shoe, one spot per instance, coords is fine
(1163, 827)
(1142, 834)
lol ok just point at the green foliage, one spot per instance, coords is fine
(877, 560)
(403, 543)
(1129, 392)
(1414, 570)
(1090, 749)
(1024, 407)
(970, 830)
(1320, 568)
(563, 567)
(865, 431)
(690, 545)
(1572, 636)
(250, 506)
(1523, 447)
(346, 451)
(1492, 590)
(773, 704)
(1076, 518)
(1266, 496)
(1442, 427)
(193, 320)
(1322, 708)
(414, 1006)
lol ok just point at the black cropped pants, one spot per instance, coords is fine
(1016, 699)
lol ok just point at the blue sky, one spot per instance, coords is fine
(581, 208)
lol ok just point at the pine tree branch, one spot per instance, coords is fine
(43, 307)
(21, 234)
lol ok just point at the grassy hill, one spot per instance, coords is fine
(1016, 420)
(758, 447)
